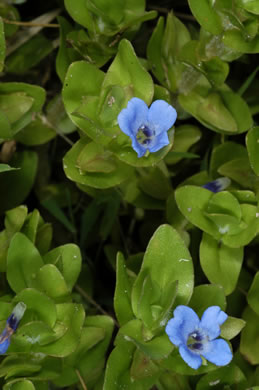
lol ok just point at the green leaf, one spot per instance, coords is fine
(154, 51)
(30, 226)
(67, 258)
(252, 296)
(19, 384)
(23, 262)
(93, 179)
(97, 51)
(157, 348)
(239, 170)
(81, 88)
(235, 40)
(163, 47)
(185, 136)
(15, 365)
(223, 111)
(144, 369)
(50, 280)
(94, 158)
(225, 377)
(40, 304)
(93, 362)
(166, 260)
(117, 369)
(155, 182)
(72, 316)
(239, 109)
(122, 295)
(206, 15)
(37, 132)
(14, 219)
(15, 105)
(216, 71)
(225, 152)
(224, 203)
(245, 236)
(6, 168)
(29, 54)
(251, 6)
(127, 71)
(220, 263)
(63, 59)
(252, 143)
(5, 127)
(232, 327)
(90, 338)
(193, 202)
(44, 237)
(249, 344)
(32, 335)
(31, 95)
(80, 13)
(207, 295)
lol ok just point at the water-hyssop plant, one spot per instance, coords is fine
(129, 194)
(147, 127)
(196, 338)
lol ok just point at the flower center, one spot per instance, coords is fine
(145, 135)
(196, 341)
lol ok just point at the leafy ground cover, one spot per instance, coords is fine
(129, 164)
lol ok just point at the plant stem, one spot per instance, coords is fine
(81, 380)
(31, 24)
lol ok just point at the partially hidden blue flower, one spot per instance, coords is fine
(196, 338)
(11, 326)
(217, 185)
(147, 127)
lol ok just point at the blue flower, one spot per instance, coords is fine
(11, 326)
(217, 185)
(196, 338)
(147, 127)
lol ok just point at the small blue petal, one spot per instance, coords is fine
(141, 150)
(192, 359)
(161, 141)
(162, 116)
(13, 322)
(133, 116)
(219, 352)
(211, 320)
(184, 322)
(4, 346)
(217, 185)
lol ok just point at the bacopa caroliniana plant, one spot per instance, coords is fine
(155, 219)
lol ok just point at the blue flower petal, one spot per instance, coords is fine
(211, 320)
(217, 185)
(4, 346)
(133, 116)
(141, 150)
(219, 352)
(161, 116)
(192, 359)
(184, 322)
(161, 141)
